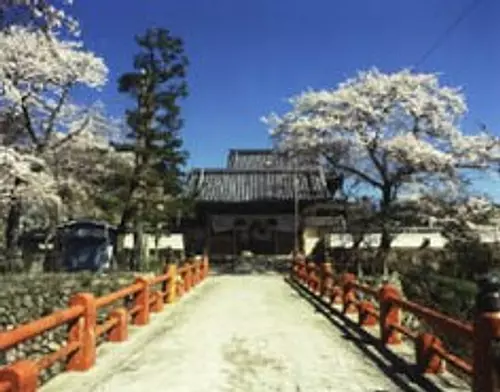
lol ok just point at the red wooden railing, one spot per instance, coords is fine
(81, 316)
(384, 308)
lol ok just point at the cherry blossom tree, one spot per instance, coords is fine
(78, 184)
(71, 156)
(38, 74)
(397, 133)
(23, 176)
(458, 216)
(43, 14)
(67, 180)
(80, 157)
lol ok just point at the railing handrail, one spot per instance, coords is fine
(366, 289)
(436, 319)
(484, 333)
(80, 350)
(108, 299)
(35, 328)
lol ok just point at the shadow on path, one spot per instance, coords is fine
(394, 367)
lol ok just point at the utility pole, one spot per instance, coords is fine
(296, 205)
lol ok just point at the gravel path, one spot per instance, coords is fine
(248, 334)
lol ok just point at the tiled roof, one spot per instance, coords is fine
(240, 185)
(265, 159)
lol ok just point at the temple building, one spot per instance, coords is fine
(255, 203)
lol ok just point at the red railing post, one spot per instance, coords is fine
(200, 271)
(82, 331)
(308, 274)
(119, 332)
(349, 294)
(188, 276)
(327, 279)
(300, 265)
(298, 270)
(158, 303)
(486, 356)
(312, 276)
(428, 361)
(181, 282)
(301, 270)
(172, 284)
(316, 278)
(336, 295)
(22, 376)
(389, 314)
(365, 313)
(295, 269)
(142, 300)
(486, 352)
(191, 273)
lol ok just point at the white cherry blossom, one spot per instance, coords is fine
(390, 128)
(50, 14)
(38, 72)
(27, 175)
(398, 133)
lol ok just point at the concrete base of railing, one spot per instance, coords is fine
(113, 356)
(398, 361)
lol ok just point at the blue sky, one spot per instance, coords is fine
(247, 57)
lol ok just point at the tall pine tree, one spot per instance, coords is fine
(156, 84)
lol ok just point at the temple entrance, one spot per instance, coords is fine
(250, 204)
(261, 235)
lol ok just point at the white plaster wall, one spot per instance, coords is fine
(174, 241)
(403, 240)
(407, 240)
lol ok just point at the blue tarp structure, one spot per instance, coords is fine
(86, 245)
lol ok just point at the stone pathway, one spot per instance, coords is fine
(248, 334)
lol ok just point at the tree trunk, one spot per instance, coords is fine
(123, 229)
(356, 254)
(55, 255)
(384, 250)
(126, 217)
(12, 234)
(158, 233)
(118, 261)
(137, 254)
(386, 239)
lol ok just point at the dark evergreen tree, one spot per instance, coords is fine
(157, 84)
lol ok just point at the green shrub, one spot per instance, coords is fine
(452, 296)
